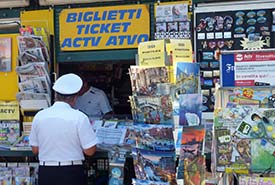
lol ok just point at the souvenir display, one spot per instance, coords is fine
(229, 30)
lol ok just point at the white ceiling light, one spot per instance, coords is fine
(14, 3)
(63, 2)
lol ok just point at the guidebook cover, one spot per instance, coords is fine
(187, 77)
(191, 146)
(190, 109)
(154, 137)
(5, 54)
(154, 165)
(153, 110)
(145, 80)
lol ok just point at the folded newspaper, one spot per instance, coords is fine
(31, 43)
(33, 70)
(35, 85)
(33, 101)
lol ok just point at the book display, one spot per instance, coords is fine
(166, 107)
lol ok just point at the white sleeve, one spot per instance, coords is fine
(86, 134)
(104, 103)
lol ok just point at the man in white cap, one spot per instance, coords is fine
(61, 135)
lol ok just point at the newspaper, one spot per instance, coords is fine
(35, 85)
(33, 96)
(32, 70)
(31, 43)
(33, 101)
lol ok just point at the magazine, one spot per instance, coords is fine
(21, 144)
(9, 133)
(33, 101)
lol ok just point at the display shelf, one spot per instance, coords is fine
(9, 153)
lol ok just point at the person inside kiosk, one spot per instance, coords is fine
(62, 135)
(93, 102)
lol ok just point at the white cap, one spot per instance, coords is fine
(68, 84)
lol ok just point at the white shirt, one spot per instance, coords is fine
(61, 133)
(93, 103)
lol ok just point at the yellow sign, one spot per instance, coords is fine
(109, 27)
(180, 50)
(152, 53)
(9, 110)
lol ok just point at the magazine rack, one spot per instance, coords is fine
(33, 69)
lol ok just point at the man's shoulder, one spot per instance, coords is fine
(96, 90)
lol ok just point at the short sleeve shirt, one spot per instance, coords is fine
(61, 133)
(93, 103)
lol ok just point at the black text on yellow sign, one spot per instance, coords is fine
(9, 110)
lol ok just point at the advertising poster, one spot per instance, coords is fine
(109, 27)
(248, 69)
(254, 69)
(5, 54)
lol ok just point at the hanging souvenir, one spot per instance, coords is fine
(210, 22)
(228, 21)
(251, 14)
(219, 22)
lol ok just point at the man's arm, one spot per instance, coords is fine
(108, 115)
(90, 151)
(35, 150)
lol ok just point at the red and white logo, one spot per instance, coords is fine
(239, 57)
